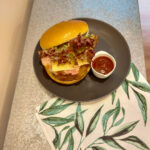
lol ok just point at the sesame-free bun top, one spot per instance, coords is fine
(62, 33)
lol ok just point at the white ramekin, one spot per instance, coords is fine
(100, 75)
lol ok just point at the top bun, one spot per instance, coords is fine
(62, 33)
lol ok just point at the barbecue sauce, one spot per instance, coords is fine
(103, 64)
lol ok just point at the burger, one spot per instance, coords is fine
(67, 49)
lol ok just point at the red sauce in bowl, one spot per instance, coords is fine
(103, 64)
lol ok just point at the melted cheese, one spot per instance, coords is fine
(62, 67)
(67, 66)
(82, 62)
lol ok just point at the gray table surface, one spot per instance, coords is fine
(23, 130)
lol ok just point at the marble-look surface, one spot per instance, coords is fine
(23, 131)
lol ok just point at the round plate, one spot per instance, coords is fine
(90, 88)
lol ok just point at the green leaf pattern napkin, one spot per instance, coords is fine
(120, 120)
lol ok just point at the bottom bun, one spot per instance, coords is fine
(69, 79)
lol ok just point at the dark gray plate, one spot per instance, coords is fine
(90, 87)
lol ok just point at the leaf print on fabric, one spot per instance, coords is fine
(136, 142)
(71, 142)
(119, 122)
(142, 104)
(43, 106)
(122, 119)
(56, 121)
(67, 136)
(125, 129)
(125, 87)
(58, 101)
(79, 122)
(72, 116)
(66, 127)
(56, 141)
(113, 96)
(117, 111)
(135, 72)
(93, 122)
(106, 117)
(98, 148)
(55, 109)
(111, 142)
(140, 85)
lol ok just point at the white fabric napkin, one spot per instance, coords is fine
(120, 120)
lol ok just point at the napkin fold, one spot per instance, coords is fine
(120, 120)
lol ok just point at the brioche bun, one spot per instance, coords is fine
(83, 71)
(62, 33)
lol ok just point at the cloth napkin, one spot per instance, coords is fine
(120, 120)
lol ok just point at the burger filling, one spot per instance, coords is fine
(66, 59)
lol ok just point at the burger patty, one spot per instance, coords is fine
(79, 48)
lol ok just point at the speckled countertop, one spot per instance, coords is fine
(24, 132)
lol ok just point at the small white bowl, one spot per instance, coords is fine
(100, 75)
